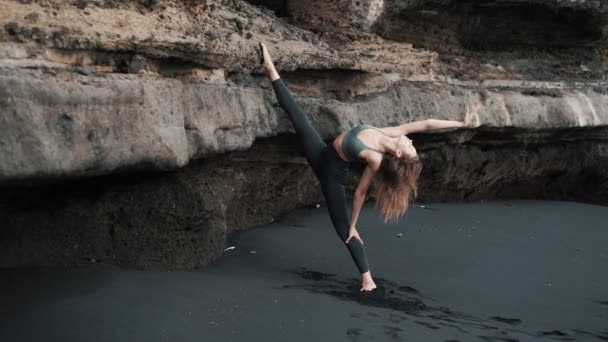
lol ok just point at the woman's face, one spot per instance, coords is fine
(405, 148)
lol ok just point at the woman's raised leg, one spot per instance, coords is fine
(307, 136)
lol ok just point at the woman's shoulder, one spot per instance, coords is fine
(372, 158)
(358, 128)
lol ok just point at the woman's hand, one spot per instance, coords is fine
(468, 116)
(352, 232)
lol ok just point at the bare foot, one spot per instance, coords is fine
(267, 64)
(367, 283)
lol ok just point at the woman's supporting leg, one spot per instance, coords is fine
(309, 139)
(335, 195)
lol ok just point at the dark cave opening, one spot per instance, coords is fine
(499, 27)
(492, 26)
(277, 6)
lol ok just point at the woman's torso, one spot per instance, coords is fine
(358, 139)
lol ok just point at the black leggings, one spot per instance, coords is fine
(329, 168)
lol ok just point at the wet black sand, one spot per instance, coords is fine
(499, 271)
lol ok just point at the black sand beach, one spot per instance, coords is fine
(497, 271)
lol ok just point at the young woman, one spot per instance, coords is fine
(385, 151)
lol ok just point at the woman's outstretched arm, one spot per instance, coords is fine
(430, 124)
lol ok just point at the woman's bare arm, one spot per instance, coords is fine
(442, 124)
(420, 126)
(359, 196)
(430, 124)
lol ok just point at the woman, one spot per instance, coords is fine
(385, 151)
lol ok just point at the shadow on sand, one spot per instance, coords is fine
(405, 303)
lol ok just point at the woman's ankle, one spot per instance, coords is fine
(272, 73)
(269, 67)
(366, 276)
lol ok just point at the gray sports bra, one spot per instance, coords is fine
(352, 146)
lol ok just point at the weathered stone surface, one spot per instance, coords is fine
(88, 126)
(172, 220)
(73, 126)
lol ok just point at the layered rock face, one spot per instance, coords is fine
(142, 133)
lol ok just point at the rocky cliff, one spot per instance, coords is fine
(141, 133)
